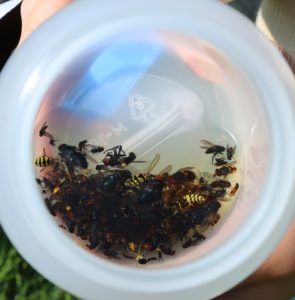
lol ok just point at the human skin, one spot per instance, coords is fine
(35, 12)
(275, 278)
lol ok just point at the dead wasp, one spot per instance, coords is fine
(225, 170)
(190, 200)
(43, 161)
(212, 148)
(230, 152)
(43, 132)
(234, 190)
(145, 176)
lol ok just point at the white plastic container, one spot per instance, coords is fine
(226, 76)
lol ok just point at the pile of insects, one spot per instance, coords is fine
(101, 197)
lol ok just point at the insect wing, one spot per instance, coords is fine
(153, 163)
(230, 164)
(91, 159)
(168, 169)
(185, 169)
(206, 144)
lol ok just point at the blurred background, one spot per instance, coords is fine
(18, 281)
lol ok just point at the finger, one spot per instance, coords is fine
(282, 288)
(281, 263)
(289, 58)
(35, 12)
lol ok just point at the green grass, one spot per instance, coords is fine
(18, 281)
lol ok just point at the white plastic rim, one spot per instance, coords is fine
(33, 66)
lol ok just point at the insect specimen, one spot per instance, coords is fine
(212, 148)
(183, 175)
(230, 152)
(234, 190)
(43, 161)
(225, 170)
(43, 132)
(84, 146)
(220, 184)
(73, 157)
(125, 212)
(143, 177)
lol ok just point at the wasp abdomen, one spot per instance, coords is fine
(43, 161)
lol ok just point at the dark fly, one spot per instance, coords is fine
(212, 149)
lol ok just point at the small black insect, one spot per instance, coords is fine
(49, 206)
(220, 184)
(220, 162)
(129, 159)
(85, 147)
(141, 260)
(195, 240)
(230, 152)
(43, 132)
(225, 171)
(111, 253)
(114, 156)
(97, 149)
(234, 190)
(39, 181)
(212, 149)
(167, 251)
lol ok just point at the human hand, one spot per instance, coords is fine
(274, 279)
(35, 12)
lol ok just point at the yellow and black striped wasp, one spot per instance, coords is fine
(143, 177)
(191, 200)
(43, 161)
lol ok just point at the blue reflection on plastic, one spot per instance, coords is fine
(126, 60)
